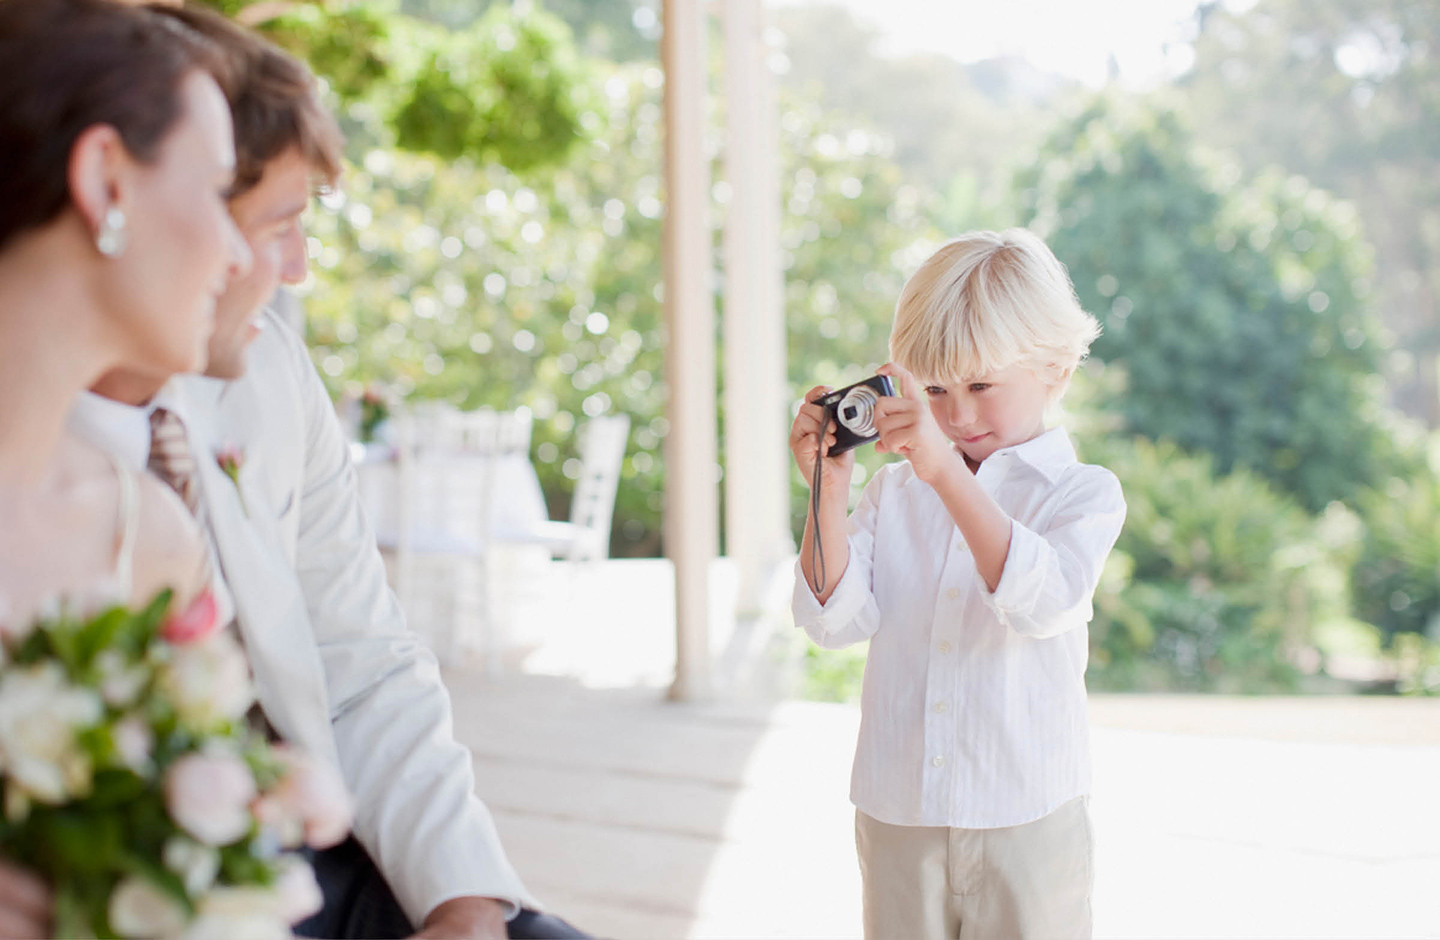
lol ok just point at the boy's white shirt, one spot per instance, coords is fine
(973, 711)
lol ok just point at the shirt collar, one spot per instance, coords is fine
(1051, 453)
(121, 429)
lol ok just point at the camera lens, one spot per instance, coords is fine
(857, 411)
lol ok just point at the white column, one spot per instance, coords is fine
(757, 529)
(691, 490)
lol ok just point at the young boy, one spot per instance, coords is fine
(970, 567)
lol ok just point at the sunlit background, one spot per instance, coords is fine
(1244, 193)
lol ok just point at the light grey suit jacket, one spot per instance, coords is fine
(337, 670)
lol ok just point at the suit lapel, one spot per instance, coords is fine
(270, 608)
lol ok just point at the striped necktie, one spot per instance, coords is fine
(171, 459)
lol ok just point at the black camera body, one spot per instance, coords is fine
(852, 412)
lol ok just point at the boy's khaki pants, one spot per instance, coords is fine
(1028, 881)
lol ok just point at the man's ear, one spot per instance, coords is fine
(96, 173)
(1057, 379)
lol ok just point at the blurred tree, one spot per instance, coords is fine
(464, 281)
(1240, 312)
(852, 232)
(955, 129)
(614, 30)
(507, 88)
(1218, 583)
(1397, 580)
(1346, 92)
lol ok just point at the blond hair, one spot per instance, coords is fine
(986, 301)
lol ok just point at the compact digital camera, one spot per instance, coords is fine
(852, 410)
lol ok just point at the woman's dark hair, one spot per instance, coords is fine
(72, 64)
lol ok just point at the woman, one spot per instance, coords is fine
(115, 240)
(114, 243)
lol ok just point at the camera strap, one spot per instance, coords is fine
(817, 551)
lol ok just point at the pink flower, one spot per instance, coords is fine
(309, 800)
(195, 622)
(208, 795)
(231, 459)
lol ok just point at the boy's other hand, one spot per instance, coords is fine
(805, 441)
(908, 428)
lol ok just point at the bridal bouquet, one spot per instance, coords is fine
(132, 782)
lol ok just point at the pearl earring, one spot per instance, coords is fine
(111, 239)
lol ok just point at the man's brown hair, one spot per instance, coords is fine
(274, 100)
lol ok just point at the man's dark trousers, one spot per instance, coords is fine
(360, 906)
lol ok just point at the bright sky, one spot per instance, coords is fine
(1070, 37)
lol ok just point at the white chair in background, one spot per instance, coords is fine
(586, 536)
(457, 474)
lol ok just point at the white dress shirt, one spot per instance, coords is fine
(124, 431)
(972, 710)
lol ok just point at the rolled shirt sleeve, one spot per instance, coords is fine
(851, 614)
(1051, 573)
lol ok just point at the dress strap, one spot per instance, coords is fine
(127, 525)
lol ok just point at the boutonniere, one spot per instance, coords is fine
(231, 460)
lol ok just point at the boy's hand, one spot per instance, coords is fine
(805, 441)
(907, 428)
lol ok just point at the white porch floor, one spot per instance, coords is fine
(1214, 817)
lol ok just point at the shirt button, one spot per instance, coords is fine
(943, 646)
(938, 761)
(952, 593)
(939, 708)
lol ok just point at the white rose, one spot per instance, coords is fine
(120, 684)
(209, 681)
(312, 794)
(298, 891)
(135, 743)
(139, 909)
(209, 796)
(196, 864)
(40, 713)
(239, 914)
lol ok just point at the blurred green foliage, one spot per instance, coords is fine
(464, 282)
(1217, 582)
(507, 88)
(1345, 93)
(1238, 307)
(1397, 578)
(467, 282)
(832, 675)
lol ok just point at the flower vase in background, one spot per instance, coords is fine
(133, 783)
(375, 404)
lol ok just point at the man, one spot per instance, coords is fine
(337, 671)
